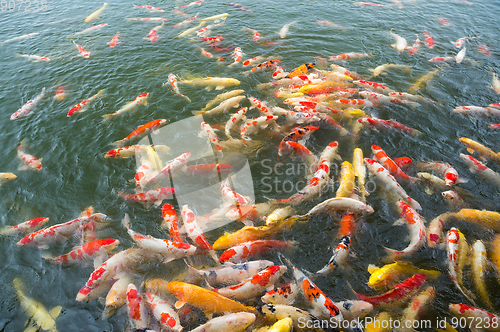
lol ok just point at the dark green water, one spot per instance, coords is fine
(75, 174)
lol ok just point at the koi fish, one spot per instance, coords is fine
(361, 3)
(457, 250)
(211, 82)
(449, 173)
(460, 55)
(269, 64)
(401, 43)
(253, 125)
(329, 23)
(340, 254)
(198, 2)
(82, 50)
(360, 171)
(231, 322)
(285, 29)
(436, 227)
(230, 272)
(29, 35)
(384, 124)
(414, 48)
(153, 33)
(253, 286)
(148, 19)
(461, 41)
(91, 29)
(285, 294)
(186, 21)
(221, 97)
(244, 251)
(301, 70)
(208, 301)
(256, 34)
(322, 304)
(389, 164)
(418, 304)
(109, 269)
(383, 175)
(150, 8)
(240, 7)
(346, 178)
(96, 14)
(130, 106)
(194, 231)
(495, 83)
(398, 293)
(89, 251)
(483, 49)
(27, 226)
(39, 316)
(114, 41)
(386, 274)
(238, 116)
(224, 106)
(428, 39)
(27, 108)
(348, 56)
(208, 131)
(442, 58)
(29, 161)
(155, 196)
(171, 222)
(84, 105)
(59, 232)
(136, 309)
(478, 315)
(416, 226)
(382, 69)
(237, 56)
(423, 81)
(32, 57)
(483, 151)
(479, 266)
(172, 79)
(163, 312)
(298, 316)
(373, 86)
(443, 22)
(455, 202)
(60, 93)
(478, 167)
(142, 131)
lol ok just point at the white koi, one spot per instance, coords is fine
(478, 167)
(401, 43)
(34, 58)
(495, 83)
(29, 35)
(224, 106)
(172, 80)
(176, 164)
(460, 55)
(29, 161)
(96, 14)
(163, 312)
(91, 29)
(27, 108)
(235, 322)
(130, 106)
(285, 29)
(340, 253)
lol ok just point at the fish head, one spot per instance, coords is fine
(5, 177)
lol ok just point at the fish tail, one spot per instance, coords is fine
(126, 221)
(101, 92)
(107, 116)
(198, 112)
(118, 143)
(391, 254)
(187, 98)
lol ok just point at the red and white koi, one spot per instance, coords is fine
(295, 117)
(148, 19)
(279, 73)
(27, 108)
(443, 58)
(129, 151)
(171, 222)
(454, 201)
(348, 56)
(176, 164)
(322, 304)
(137, 313)
(483, 49)
(237, 56)
(172, 79)
(435, 229)
(267, 65)
(416, 226)
(186, 21)
(343, 71)
(253, 286)
(29, 161)
(361, 3)
(60, 93)
(399, 293)
(354, 102)
(460, 42)
(208, 131)
(340, 253)
(232, 122)
(230, 272)
(168, 250)
(82, 50)
(150, 8)
(193, 230)
(29, 35)
(339, 203)
(401, 43)
(163, 312)
(231, 196)
(235, 322)
(373, 86)
(142, 131)
(414, 48)
(155, 196)
(389, 164)
(478, 167)
(91, 29)
(114, 41)
(253, 125)
(479, 319)
(34, 58)
(59, 232)
(84, 105)
(87, 252)
(243, 251)
(153, 33)
(449, 173)
(443, 22)
(429, 41)
(457, 250)
(193, 3)
(385, 177)
(286, 294)
(206, 53)
(384, 124)
(25, 227)
(109, 269)
(256, 34)
(142, 99)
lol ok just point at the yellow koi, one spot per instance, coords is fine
(479, 262)
(422, 81)
(483, 151)
(360, 171)
(388, 273)
(347, 177)
(96, 14)
(489, 219)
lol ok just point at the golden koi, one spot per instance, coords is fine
(130, 106)
(212, 82)
(6, 177)
(95, 15)
(388, 273)
(423, 81)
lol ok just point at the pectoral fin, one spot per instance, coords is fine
(219, 87)
(179, 304)
(372, 268)
(55, 311)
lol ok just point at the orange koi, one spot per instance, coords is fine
(428, 39)
(142, 131)
(114, 41)
(301, 70)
